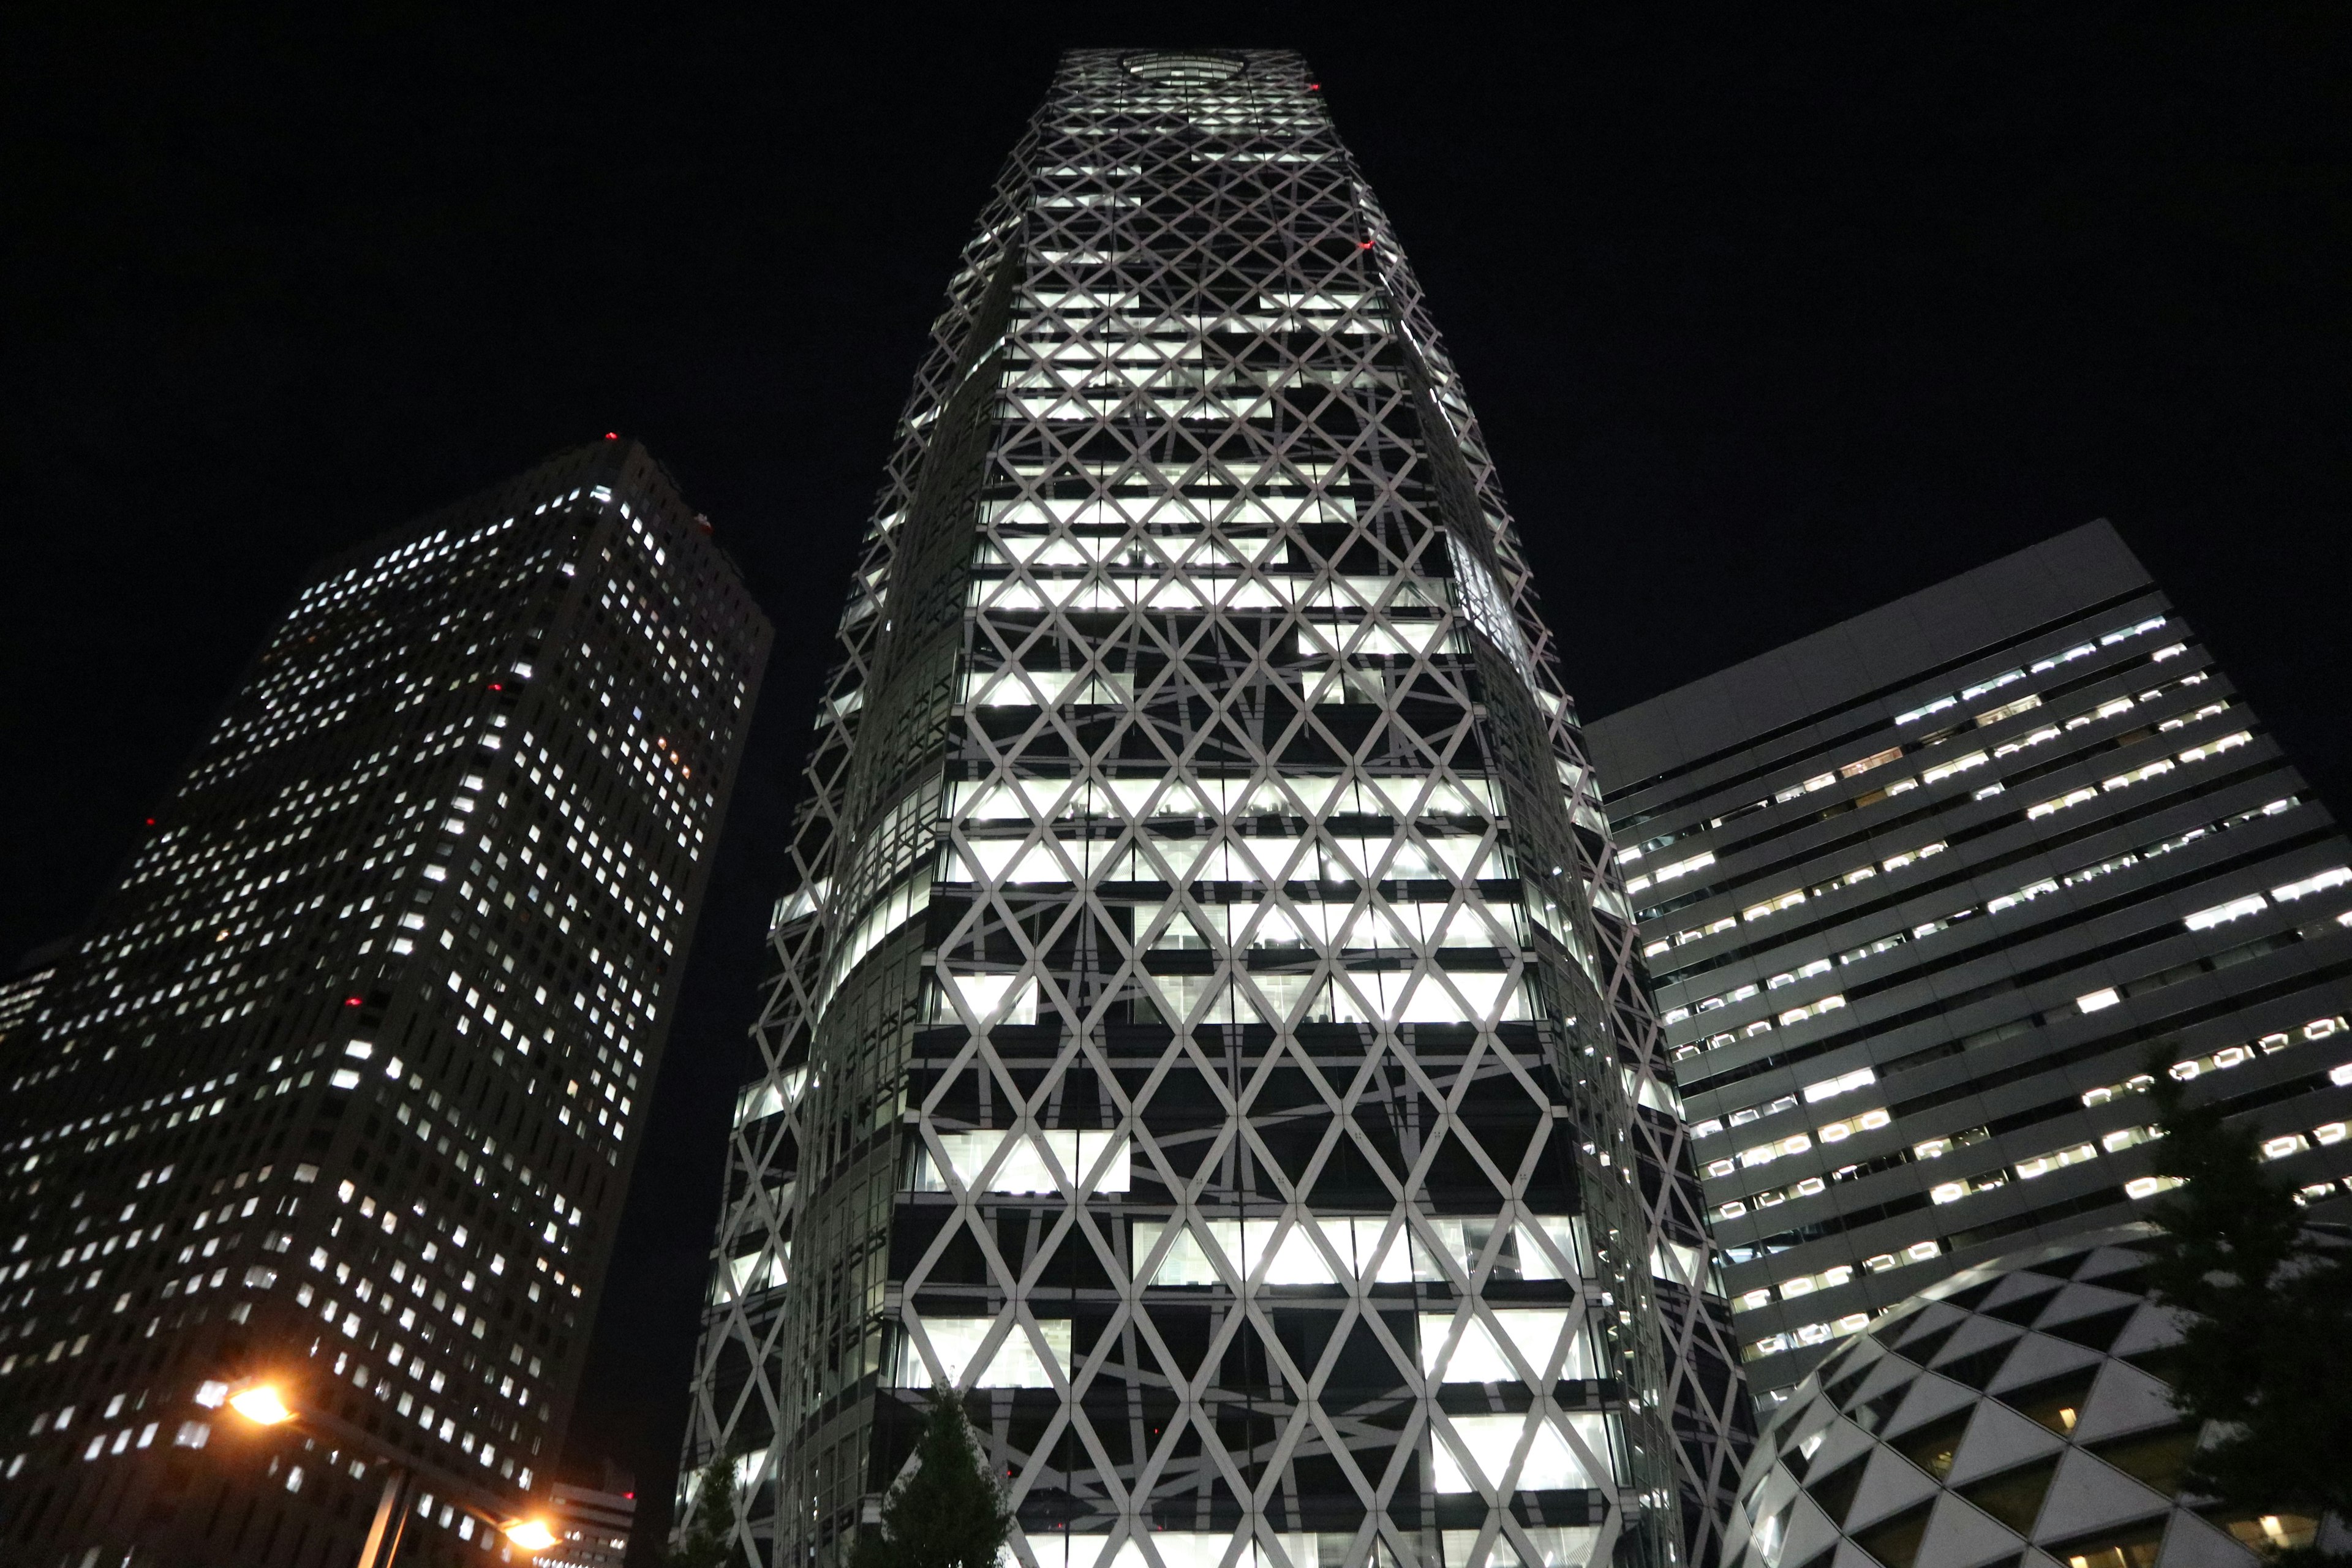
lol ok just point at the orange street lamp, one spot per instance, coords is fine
(529, 1534)
(267, 1404)
(262, 1405)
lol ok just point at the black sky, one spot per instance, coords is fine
(1771, 315)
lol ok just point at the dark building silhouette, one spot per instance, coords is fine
(1926, 893)
(344, 1082)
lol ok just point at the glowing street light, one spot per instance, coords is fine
(527, 1535)
(262, 1405)
(265, 1403)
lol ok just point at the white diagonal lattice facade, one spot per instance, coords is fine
(1207, 1030)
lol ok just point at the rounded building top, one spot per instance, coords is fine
(1184, 65)
(2017, 1415)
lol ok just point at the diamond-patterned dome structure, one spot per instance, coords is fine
(2014, 1416)
(1207, 1031)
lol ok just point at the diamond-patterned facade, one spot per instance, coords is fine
(1207, 1027)
(2015, 1415)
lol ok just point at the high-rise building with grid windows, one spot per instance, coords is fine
(1207, 1032)
(343, 1082)
(1929, 895)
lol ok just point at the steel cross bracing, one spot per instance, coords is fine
(1207, 1028)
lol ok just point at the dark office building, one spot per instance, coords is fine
(1925, 895)
(1205, 1036)
(343, 1082)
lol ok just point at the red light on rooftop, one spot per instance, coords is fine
(151, 822)
(495, 687)
(611, 435)
(350, 1001)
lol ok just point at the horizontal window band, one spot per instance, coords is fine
(2065, 919)
(1824, 715)
(1840, 808)
(1957, 801)
(1965, 870)
(2202, 963)
(2105, 1045)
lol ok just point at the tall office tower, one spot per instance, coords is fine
(344, 1082)
(1204, 1033)
(1926, 894)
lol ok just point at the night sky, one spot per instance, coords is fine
(1770, 316)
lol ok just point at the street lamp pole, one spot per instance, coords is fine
(264, 1403)
(391, 1519)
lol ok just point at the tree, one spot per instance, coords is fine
(2269, 1299)
(950, 1512)
(710, 1541)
